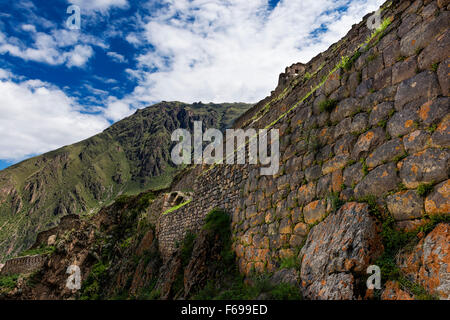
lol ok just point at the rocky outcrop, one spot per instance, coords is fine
(338, 251)
(429, 262)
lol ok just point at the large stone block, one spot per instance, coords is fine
(379, 181)
(346, 242)
(405, 205)
(423, 85)
(306, 193)
(359, 123)
(429, 262)
(386, 152)
(404, 70)
(403, 122)
(344, 145)
(364, 88)
(345, 108)
(367, 142)
(423, 34)
(353, 174)
(416, 141)
(441, 137)
(434, 111)
(430, 165)
(443, 73)
(380, 112)
(438, 202)
(315, 211)
(338, 162)
(437, 51)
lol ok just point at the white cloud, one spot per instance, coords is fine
(79, 56)
(117, 109)
(55, 48)
(232, 50)
(38, 117)
(117, 57)
(99, 5)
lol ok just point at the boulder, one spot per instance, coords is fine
(429, 262)
(338, 249)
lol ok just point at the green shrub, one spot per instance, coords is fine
(285, 291)
(187, 247)
(327, 105)
(218, 221)
(92, 287)
(433, 221)
(8, 282)
(288, 263)
(41, 250)
(307, 76)
(434, 66)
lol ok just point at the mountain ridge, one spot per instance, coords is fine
(129, 156)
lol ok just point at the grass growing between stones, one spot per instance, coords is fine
(174, 208)
(327, 105)
(424, 189)
(289, 263)
(41, 250)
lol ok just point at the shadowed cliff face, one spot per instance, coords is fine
(363, 180)
(131, 155)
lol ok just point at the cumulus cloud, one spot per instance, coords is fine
(117, 109)
(187, 50)
(58, 47)
(233, 50)
(38, 117)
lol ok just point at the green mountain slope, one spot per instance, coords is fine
(130, 156)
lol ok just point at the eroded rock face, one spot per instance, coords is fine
(394, 292)
(429, 263)
(337, 251)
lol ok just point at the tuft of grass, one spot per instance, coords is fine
(289, 263)
(307, 76)
(345, 63)
(434, 66)
(424, 189)
(327, 105)
(432, 128)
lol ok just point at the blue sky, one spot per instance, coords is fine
(59, 86)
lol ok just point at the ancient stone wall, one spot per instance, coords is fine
(376, 126)
(23, 265)
(66, 223)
